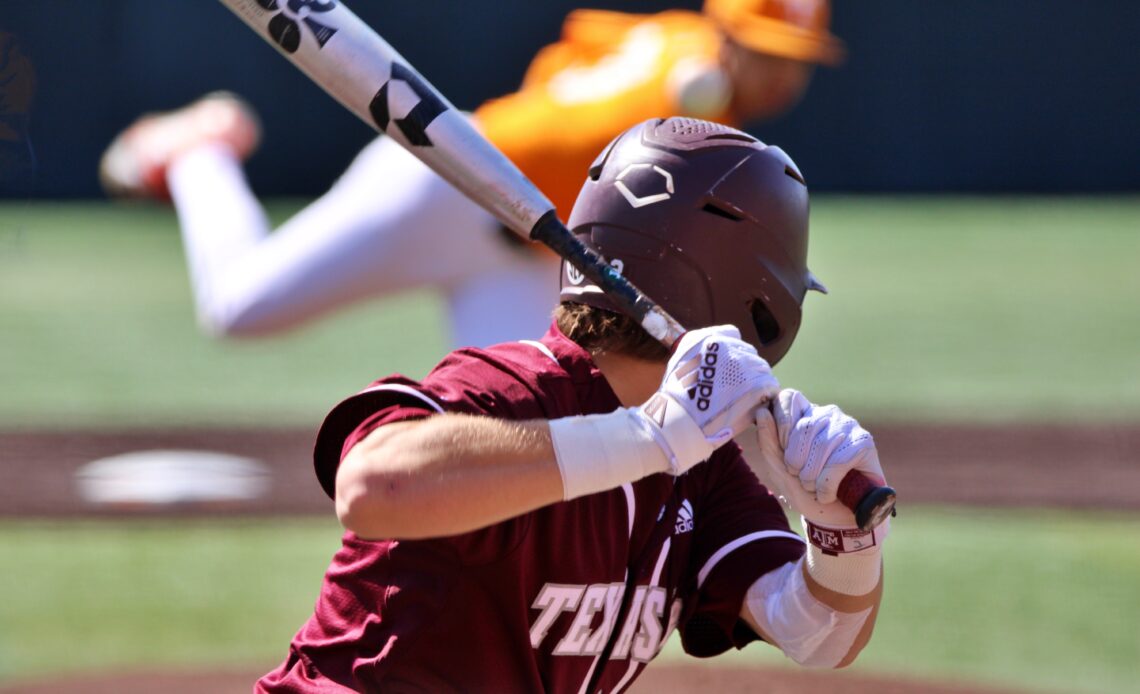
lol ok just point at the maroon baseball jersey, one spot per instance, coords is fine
(578, 591)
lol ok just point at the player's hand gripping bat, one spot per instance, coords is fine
(358, 68)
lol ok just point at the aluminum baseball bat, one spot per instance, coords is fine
(353, 64)
(358, 68)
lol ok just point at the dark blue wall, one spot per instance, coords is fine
(961, 95)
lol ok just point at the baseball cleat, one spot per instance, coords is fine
(135, 163)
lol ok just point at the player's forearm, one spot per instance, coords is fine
(445, 475)
(452, 474)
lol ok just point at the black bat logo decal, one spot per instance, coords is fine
(284, 29)
(414, 125)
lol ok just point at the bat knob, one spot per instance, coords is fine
(870, 503)
(875, 506)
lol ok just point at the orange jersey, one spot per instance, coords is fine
(608, 72)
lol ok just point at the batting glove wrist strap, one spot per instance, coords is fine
(599, 452)
(676, 433)
(845, 559)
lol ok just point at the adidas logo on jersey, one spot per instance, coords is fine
(684, 518)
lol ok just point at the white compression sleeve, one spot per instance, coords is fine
(806, 630)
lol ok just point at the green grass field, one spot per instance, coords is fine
(971, 309)
(1045, 601)
(1030, 599)
(963, 308)
(98, 329)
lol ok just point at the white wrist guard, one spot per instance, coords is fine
(598, 452)
(845, 560)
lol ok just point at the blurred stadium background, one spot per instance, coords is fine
(976, 169)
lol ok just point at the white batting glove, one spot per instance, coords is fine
(808, 449)
(821, 444)
(713, 384)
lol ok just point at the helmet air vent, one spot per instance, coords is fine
(721, 212)
(739, 137)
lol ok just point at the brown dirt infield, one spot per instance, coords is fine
(658, 679)
(1009, 465)
(1014, 465)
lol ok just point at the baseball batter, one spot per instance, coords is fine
(542, 515)
(380, 227)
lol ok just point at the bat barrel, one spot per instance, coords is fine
(350, 61)
(362, 71)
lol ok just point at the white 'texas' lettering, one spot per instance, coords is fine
(575, 639)
(552, 600)
(643, 632)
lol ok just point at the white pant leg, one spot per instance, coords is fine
(221, 220)
(511, 303)
(388, 224)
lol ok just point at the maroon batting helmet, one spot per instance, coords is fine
(708, 221)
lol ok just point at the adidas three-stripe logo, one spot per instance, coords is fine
(684, 518)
